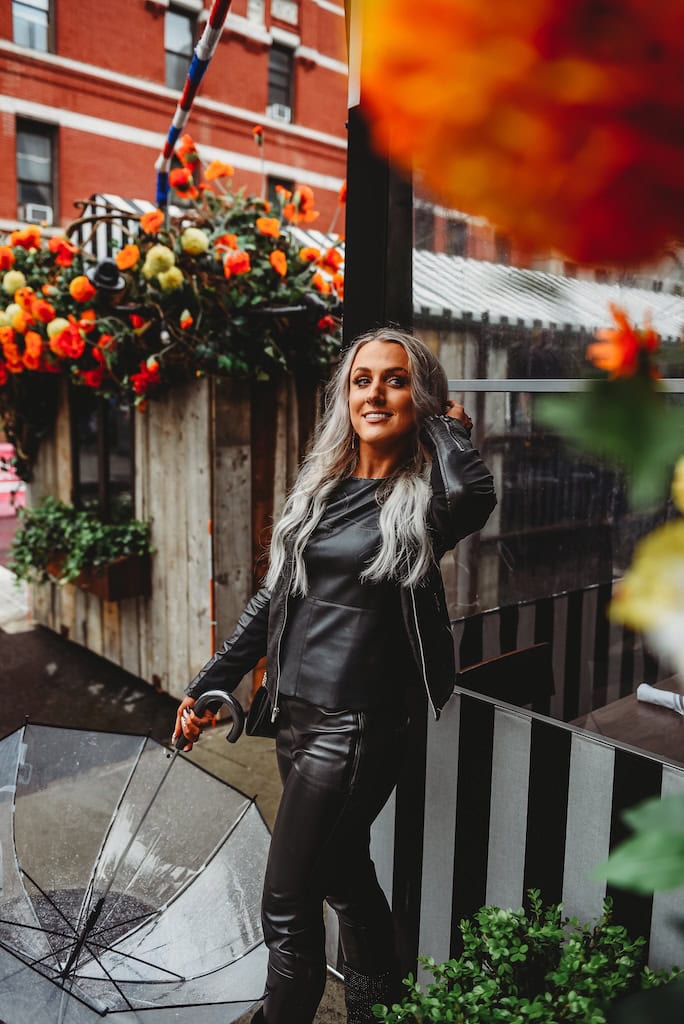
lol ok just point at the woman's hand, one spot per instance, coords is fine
(457, 412)
(188, 723)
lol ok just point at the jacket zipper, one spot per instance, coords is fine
(276, 709)
(422, 654)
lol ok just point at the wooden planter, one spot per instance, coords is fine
(129, 576)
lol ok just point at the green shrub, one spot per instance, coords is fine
(521, 966)
(58, 542)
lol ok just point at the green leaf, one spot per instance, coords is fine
(662, 814)
(646, 863)
(628, 422)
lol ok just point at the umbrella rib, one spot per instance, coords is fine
(50, 901)
(35, 928)
(122, 994)
(130, 956)
(85, 905)
(53, 981)
(219, 846)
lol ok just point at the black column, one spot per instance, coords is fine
(378, 238)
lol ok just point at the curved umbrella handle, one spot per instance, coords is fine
(222, 697)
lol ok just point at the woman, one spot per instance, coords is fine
(352, 614)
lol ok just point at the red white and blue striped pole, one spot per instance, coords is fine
(201, 57)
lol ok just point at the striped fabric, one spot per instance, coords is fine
(512, 800)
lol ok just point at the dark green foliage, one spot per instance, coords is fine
(58, 542)
(529, 966)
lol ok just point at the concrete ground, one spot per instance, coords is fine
(56, 682)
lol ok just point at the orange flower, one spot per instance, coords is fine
(127, 257)
(258, 133)
(283, 193)
(33, 344)
(338, 284)
(309, 254)
(186, 322)
(87, 320)
(21, 320)
(26, 238)
(6, 258)
(554, 120)
(278, 261)
(332, 259)
(186, 151)
(63, 249)
(226, 242)
(106, 341)
(152, 221)
(342, 194)
(268, 226)
(42, 310)
(321, 283)
(619, 350)
(81, 290)
(236, 262)
(6, 337)
(217, 169)
(181, 179)
(300, 210)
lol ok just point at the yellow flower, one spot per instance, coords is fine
(12, 281)
(170, 279)
(158, 259)
(650, 598)
(56, 326)
(5, 318)
(678, 484)
(194, 241)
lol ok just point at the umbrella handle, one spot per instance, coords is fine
(221, 697)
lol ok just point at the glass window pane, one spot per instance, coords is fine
(280, 76)
(178, 33)
(176, 70)
(30, 24)
(30, 192)
(34, 157)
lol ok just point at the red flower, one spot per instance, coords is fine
(181, 179)
(309, 254)
(106, 341)
(331, 259)
(42, 311)
(3, 374)
(300, 210)
(93, 378)
(137, 321)
(258, 133)
(63, 249)
(226, 242)
(6, 258)
(618, 351)
(326, 323)
(68, 344)
(146, 378)
(236, 262)
(321, 283)
(342, 194)
(26, 238)
(186, 151)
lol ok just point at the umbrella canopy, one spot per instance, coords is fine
(130, 884)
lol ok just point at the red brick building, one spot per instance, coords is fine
(88, 90)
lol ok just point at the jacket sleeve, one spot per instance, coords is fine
(463, 494)
(240, 652)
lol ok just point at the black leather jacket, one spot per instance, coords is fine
(462, 499)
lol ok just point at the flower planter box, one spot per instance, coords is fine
(129, 576)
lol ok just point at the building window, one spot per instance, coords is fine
(31, 23)
(271, 185)
(424, 227)
(35, 172)
(457, 237)
(179, 42)
(280, 76)
(102, 455)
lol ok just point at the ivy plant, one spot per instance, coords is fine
(529, 965)
(57, 542)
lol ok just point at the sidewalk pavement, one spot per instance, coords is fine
(57, 682)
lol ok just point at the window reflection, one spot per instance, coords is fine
(103, 454)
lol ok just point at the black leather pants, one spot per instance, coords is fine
(338, 770)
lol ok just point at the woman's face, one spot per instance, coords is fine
(380, 403)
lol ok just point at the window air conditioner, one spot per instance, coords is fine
(279, 112)
(36, 213)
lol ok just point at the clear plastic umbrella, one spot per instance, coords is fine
(115, 903)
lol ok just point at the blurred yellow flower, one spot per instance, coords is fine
(678, 484)
(171, 279)
(650, 598)
(158, 259)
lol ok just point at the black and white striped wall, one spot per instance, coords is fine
(510, 800)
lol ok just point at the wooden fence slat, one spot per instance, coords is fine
(175, 510)
(198, 504)
(162, 522)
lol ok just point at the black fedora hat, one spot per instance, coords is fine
(106, 276)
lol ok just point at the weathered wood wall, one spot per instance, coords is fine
(212, 450)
